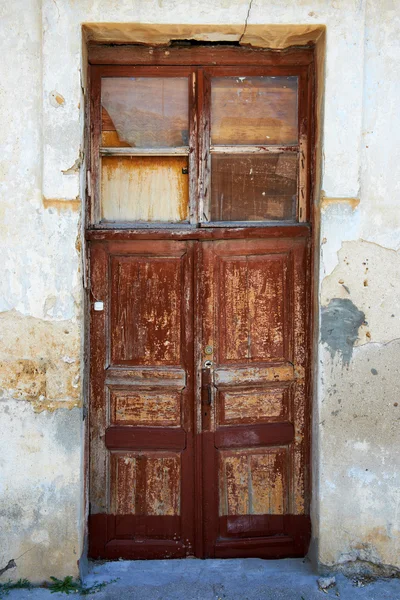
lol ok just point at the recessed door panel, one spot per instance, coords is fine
(146, 303)
(252, 482)
(252, 290)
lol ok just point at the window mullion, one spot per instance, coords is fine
(204, 103)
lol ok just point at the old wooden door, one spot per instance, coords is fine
(142, 399)
(199, 296)
(254, 397)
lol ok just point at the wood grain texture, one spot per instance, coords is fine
(123, 483)
(147, 484)
(252, 292)
(131, 54)
(233, 231)
(163, 477)
(144, 188)
(253, 482)
(146, 310)
(255, 435)
(145, 407)
(256, 405)
(253, 187)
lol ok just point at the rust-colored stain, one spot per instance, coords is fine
(110, 139)
(61, 204)
(26, 378)
(328, 201)
(56, 99)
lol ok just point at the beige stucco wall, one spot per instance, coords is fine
(356, 496)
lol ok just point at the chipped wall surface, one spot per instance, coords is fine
(41, 500)
(356, 414)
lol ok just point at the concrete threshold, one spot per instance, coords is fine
(236, 579)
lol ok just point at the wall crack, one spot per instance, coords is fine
(246, 20)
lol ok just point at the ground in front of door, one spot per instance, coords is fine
(236, 579)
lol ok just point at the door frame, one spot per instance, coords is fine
(101, 56)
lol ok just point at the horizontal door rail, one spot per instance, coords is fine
(253, 149)
(178, 151)
(245, 436)
(145, 377)
(244, 375)
(145, 438)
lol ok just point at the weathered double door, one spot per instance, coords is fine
(199, 395)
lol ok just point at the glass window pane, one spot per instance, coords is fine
(254, 110)
(145, 188)
(253, 187)
(145, 112)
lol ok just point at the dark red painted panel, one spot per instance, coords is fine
(244, 436)
(145, 438)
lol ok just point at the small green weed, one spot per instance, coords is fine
(5, 588)
(65, 586)
(94, 588)
(70, 586)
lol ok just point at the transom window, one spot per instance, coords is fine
(199, 146)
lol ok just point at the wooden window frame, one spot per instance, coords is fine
(199, 65)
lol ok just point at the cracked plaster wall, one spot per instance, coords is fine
(355, 496)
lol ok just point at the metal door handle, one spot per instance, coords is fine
(207, 383)
(209, 394)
